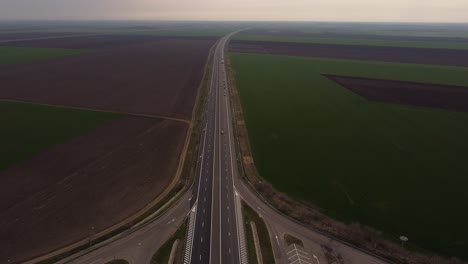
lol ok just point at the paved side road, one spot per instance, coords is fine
(138, 246)
(278, 225)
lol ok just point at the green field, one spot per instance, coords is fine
(399, 169)
(182, 30)
(10, 55)
(352, 41)
(28, 129)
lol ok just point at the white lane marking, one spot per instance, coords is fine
(214, 150)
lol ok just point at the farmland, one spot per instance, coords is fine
(10, 55)
(93, 137)
(360, 160)
(356, 52)
(357, 41)
(452, 37)
(51, 126)
(106, 78)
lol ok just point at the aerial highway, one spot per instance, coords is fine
(215, 226)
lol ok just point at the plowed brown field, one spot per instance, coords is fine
(454, 98)
(355, 52)
(81, 187)
(141, 75)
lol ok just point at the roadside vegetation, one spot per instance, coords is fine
(118, 261)
(162, 255)
(360, 162)
(290, 239)
(263, 235)
(11, 55)
(28, 129)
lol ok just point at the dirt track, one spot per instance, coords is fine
(454, 98)
(142, 75)
(355, 52)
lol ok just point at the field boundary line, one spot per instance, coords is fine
(98, 110)
(56, 37)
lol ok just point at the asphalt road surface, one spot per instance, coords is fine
(216, 228)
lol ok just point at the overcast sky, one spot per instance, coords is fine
(278, 10)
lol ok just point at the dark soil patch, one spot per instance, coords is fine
(355, 52)
(74, 190)
(299, 33)
(454, 98)
(141, 75)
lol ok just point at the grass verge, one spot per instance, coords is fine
(290, 239)
(263, 234)
(163, 253)
(118, 261)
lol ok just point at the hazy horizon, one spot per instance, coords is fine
(402, 11)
